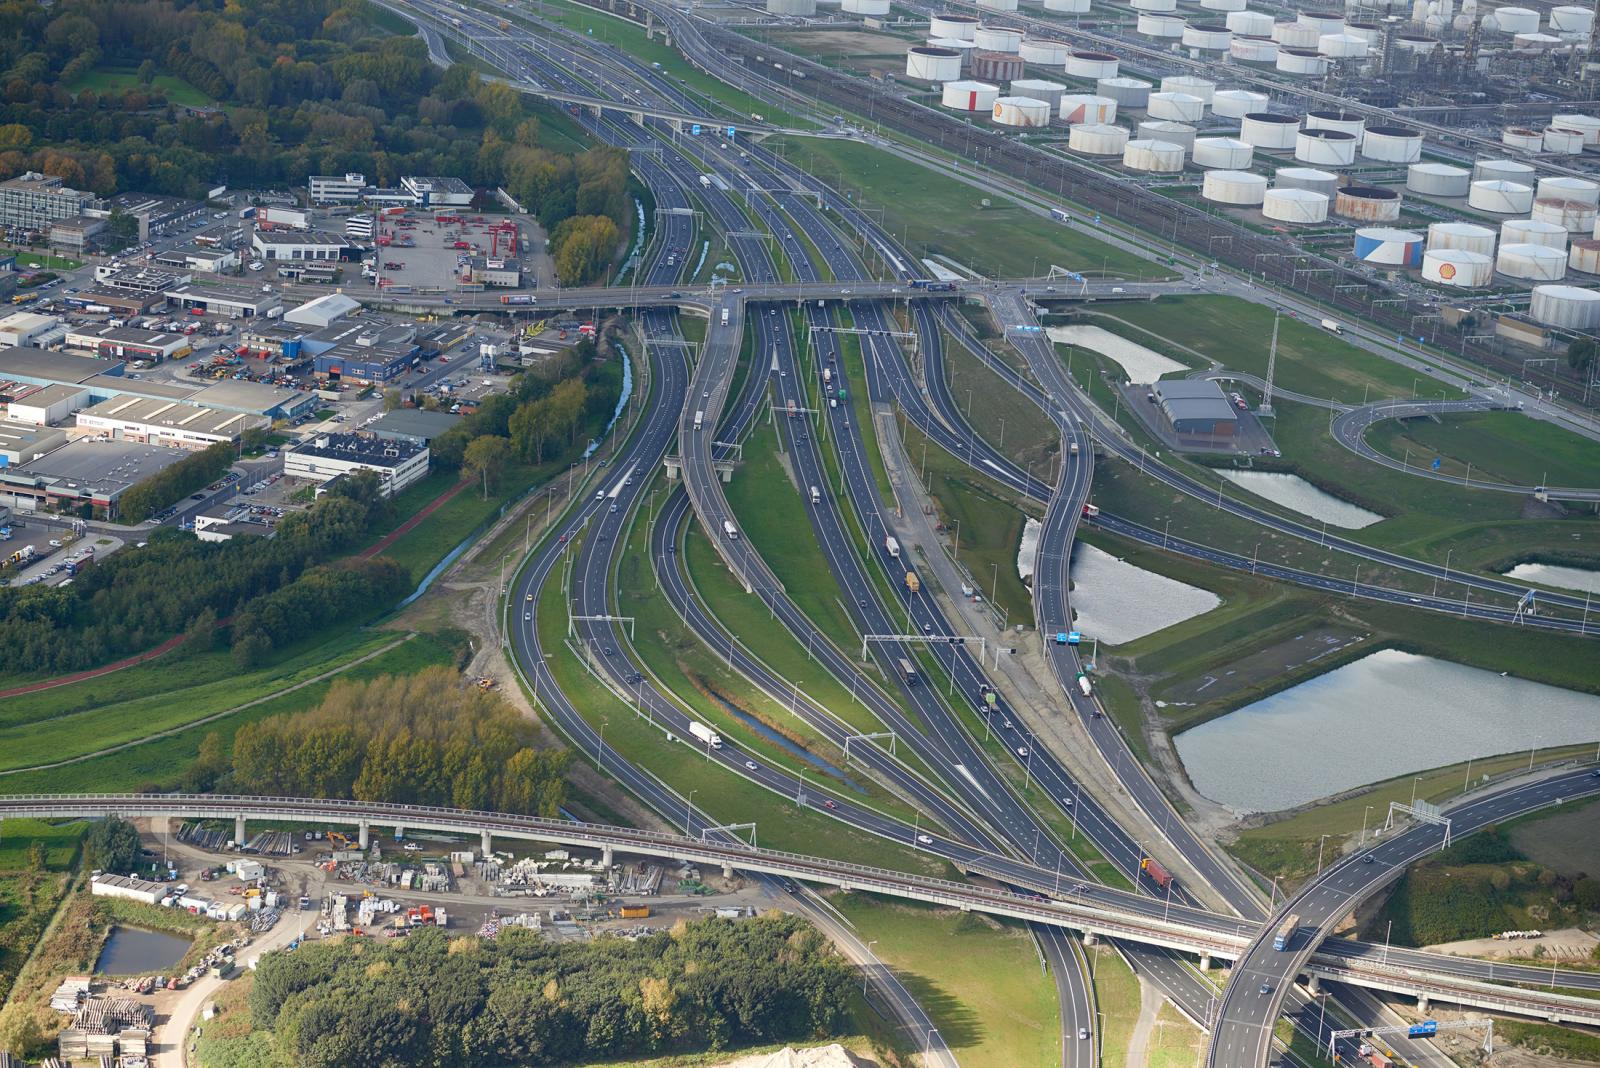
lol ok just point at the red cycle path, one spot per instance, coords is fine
(177, 640)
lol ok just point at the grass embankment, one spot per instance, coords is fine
(1175, 1043)
(940, 216)
(1504, 446)
(979, 980)
(1116, 994)
(1016, 428)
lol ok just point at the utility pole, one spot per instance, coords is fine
(1272, 366)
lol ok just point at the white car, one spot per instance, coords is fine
(923, 839)
(412, 847)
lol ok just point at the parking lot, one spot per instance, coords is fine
(432, 261)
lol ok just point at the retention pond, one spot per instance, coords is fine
(135, 951)
(1294, 492)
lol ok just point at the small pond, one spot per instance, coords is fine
(1566, 578)
(1117, 602)
(135, 951)
(1292, 491)
(1140, 364)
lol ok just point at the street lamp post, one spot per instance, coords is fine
(866, 968)
(1364, 816)
(688, 812)
(1321, 841)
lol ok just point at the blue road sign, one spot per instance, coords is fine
(695, 129)
(1436, 463)
(731, 132)
(1426, 1027)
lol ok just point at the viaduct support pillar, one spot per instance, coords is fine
(1205, 963)
(1422, 1003)
(399, 831)
(1089, 938)
(1315, 985)
(238, 831)
(605, 856)
(363, 834)
(727, 871)
(486, 844)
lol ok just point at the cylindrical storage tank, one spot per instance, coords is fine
(1535, 42)
(1085, 107)
(1237, 103)
(1569, 189)
(1324, 22)
(970, 96)
(1566, 307)
(1045, 53)
(964, 47)
(1156, 7)
(1587, 125)
(1522, 137)
(1392, 144)
(1127, 92)
(1166, 27)
(1097, 139)
(1020, 111)
(1367, 203)
(1158, 156)
(1225, 152)
(998, 5)
(1307, 62)
(1563, 142)
(1415, 43)
(864, 7)
(1573, 216)
(1094, 65)
(1227, 7)
(1342, 46)
(1179, 107)
(792, 7)
(1324, 182)
(1036, 89)
(1264, 130)
(1233, 187)
(928, 64)
(1585, 255)
(1461, 237)
(1536, 263)
(1457, 267)
(1438, 179)
(1349, 122)
(1325, 148)
(1250, 23)
(1254, 50)
(1501, 198)
(1207, 36)
(996, 66)
(1295, 206)
(1067, 7)
(1533, 232)
(1571, 19)
(960, 27)
(998, 39)
(1295, 35)
(1514, 20)
(1502, 170)
(1177, 133)
(1203, 88)
(1367, 31)
(1389, 247)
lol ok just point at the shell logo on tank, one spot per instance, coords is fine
(1447, 270)
(997, 110)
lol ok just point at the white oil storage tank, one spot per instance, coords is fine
(1038, 89)
(1179, 133)
(1273, 133)
(1157, 156)
(960, 27)
(1237, 103)
(1325, 148)
(1127, 92)
(1514, 20)
(1086, 107)
(1225, 6)
(1166, 27)
(1389, 247)
(1203, 88)
(1228, 153)
(966, 48)
(1392, 144)
(1250, 23)
(1307, 62)
(998, 5)
(1438, 179)
(1559, 142)
(1097, 139)
(1020, 111)
(1067, 7)
(801, 8)
(1349, 122)
(993, 66)
(1500, 197)
(1309, 178)
(1461, 237)
(1457, 267)
(1535, 42)
(1254, 49)
(1522, 138)
(1569, 189)
(1342, 46)
(1585, 255)
(1323, 22)
(1295, 35)
(1570, 18)
(1367, 31)
(1587, 125)
(1502, 170)
(998, 39)
(925, 63)
(1207, 36)
(1566, 307)
(1233, 187)
(1156, 7)
(1367, 203)
(970, 96)
(864, 7)
(1096, 65)
(1045, 53)
(1534, 263)
(1533, 232)
(1295, 206)
(1179, 107)
(1573, 216)
(1415, 43)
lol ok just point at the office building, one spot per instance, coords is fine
(329, 456)
(33, 201)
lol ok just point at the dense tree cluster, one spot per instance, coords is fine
(522, 1000)
(112, 845)
(423, 739)
(132, 600)
(332, 591)
(175, 482)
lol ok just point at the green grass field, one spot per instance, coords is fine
(1016, 428)
(121, 79)
(1117, 999)
(938, 215)
(980, 981)
(1501, 446)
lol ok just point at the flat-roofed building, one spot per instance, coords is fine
(362, 350)
(129, 343)
(83, 474)
(154, 213)
(40, 367)
(1196, 406)
(415, 425)
(121, 276)
(200, 258)
(80, 233)
(295, 246)
(175, 424)
(498, 273)
(33, 201)
(336, 188)
(122, 302)
(235, 302)
(147, 893)
(47, 405)
(432, 192)
(329, 456)
(23, 328)
(323, 311)
(23, 442)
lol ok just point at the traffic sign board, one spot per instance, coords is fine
(1426, 1027)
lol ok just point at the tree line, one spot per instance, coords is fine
(522, 1000)
(423, 739)
(175, 482)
